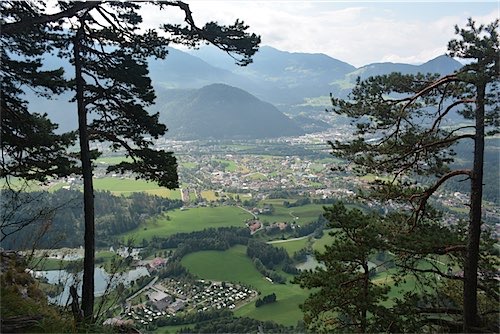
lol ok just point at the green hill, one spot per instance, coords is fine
(220, 111)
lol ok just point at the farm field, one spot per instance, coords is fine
(291, 246)
(185, 221)
(119, 186)
(233, 265)
(326, 239)
(231, 165)
(300, 214)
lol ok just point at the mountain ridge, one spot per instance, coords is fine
(285, 79)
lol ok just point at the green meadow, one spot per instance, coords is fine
(208, 195)
(232, 167)
(326, 239)
(189, 220)
(291, 246)
(125, 186)
(233, 265)
(300, 214)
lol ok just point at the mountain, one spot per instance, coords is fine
(294, 82)
(311, 125)
(442, 65)
(282, 77)
(182, 70)
(219, 111)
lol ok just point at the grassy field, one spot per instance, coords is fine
(103, 258)
(232, 167)
(292, 246)
(47, 264)
(119, 186)
(301, 214)
(194, 219)
(326, 239)
(213, 265)
(209, 195)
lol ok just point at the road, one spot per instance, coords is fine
(147, 286)
(250, 212)
(286, 240)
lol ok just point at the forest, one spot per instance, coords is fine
(62, 212)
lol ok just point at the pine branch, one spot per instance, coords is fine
(447, 110)
(437, 83)
(423, 198)
(16, 27)
(432, 271)
(445, 310)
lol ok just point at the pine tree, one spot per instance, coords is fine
(344, 299)
(109, 56)
(404, 129)
(30, 147)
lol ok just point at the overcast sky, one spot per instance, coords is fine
(355, 32)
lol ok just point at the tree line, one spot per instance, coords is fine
(60, 221)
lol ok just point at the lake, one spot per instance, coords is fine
(101, 281)
(312, 263)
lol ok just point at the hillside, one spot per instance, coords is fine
(182, 70)
(24, 306)
(442, 65)
(220, 111)
(286, 79)
(282, 77)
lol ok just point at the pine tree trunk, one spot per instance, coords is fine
(88, 192)
(471, 319)
(366, 283)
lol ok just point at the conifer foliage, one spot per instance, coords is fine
(406, 126)
(347, 300)
(30, 147)
(108, 51)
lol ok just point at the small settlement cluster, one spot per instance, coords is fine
(170, 296)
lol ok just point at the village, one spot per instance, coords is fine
(216, 173)
(170, 296)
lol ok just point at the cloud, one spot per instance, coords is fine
(358, 33)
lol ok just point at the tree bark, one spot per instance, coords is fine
(88, 191)
(471, 318)
(366, 283)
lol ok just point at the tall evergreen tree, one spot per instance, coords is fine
(109, 55)
(406, 127)
(29, 145)
(347, 300)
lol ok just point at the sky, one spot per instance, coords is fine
(358, 33)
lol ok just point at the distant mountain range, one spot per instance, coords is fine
(442, 65)
(290, 83)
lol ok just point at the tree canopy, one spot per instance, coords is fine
(407, 125)
(104, 43)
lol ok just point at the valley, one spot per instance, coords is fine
(272, 191)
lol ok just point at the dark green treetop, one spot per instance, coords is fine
(406, 126)
(347, 300)
(30, 147)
